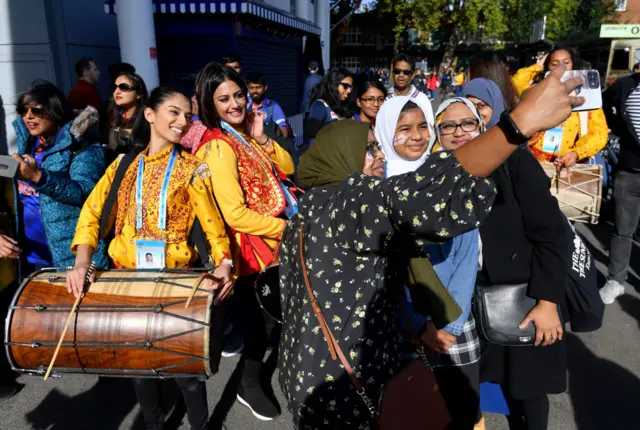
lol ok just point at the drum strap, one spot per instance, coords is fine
(196, 236)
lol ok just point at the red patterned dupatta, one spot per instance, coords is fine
(263, 195)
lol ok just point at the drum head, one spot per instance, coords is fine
(267, 291)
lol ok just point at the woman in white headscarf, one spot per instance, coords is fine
(407, 139)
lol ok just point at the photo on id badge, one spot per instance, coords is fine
(150, 254)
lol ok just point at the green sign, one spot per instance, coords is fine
(620, 31)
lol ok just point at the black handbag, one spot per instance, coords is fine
(499, 310)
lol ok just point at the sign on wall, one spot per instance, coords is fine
(620, 31)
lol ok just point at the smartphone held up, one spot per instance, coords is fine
(591, 90)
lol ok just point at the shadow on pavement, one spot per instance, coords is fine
(631, 306)
(604, 394)
(104, 406)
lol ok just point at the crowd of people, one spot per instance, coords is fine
(383, 219)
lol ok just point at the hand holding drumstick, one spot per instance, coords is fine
(87, 281)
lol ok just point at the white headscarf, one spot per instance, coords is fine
(386, 123)
(445, 105)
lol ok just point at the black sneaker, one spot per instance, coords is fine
(254, 398)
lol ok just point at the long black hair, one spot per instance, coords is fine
(141, 131)
(210, 78)
(140, 88)
(494, 66)
(572, 53)
(327, 90)
(52, 100)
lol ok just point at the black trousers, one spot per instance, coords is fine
(193, 391)
(460, 388)
(528, 414)
(248, 317)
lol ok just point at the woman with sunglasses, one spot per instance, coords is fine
(524, 239)
(248, 167)
(371, 95)
(333, 101)
(60, 161)
(129, 98)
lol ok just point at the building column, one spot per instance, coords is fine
(137, 34)
(302, 9)
(323, 20)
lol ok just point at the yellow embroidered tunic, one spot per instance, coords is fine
(189, 195)
(222, 160)
(585, 146)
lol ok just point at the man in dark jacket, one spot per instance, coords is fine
(622, 109)
(310, 81)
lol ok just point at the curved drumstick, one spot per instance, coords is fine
(196, 285)
(92, 267)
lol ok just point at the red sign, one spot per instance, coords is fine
(153, 53)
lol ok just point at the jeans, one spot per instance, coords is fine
(458, 90)
(432, 93)
(193, 391)
(626, 197)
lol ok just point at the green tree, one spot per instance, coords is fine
(452, 17)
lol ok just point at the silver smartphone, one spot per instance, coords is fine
(8, 166)
(591, 90)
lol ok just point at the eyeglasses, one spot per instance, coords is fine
(450, 128)
(346, 86)
(405, 72)
(36, 111)
(373, 147)
(125, 88)
(372, 100)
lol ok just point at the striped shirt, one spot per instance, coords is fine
(632, 106)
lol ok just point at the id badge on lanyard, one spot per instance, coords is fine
(553, 140)
(150, 254)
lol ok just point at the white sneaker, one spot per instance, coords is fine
(611, 291)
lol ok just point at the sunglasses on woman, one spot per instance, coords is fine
(36, 111)
(450, 127)
(125, 88)
(346, 86)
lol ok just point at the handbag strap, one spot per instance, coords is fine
(334, 348)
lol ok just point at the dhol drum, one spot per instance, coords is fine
(578, 190)
(129, 323)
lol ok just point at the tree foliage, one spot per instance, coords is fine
(499, 19)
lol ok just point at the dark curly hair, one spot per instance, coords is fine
(45, 93)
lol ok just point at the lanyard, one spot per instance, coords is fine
(162, 210)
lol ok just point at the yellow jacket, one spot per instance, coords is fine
(189, 195)
(222, 161)
(586, 145)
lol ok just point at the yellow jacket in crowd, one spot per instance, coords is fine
(234, 195)
(573, 140)
(189, 176)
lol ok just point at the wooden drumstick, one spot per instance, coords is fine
(66, 326)
(196, 285)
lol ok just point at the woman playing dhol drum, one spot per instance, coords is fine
(161, 194)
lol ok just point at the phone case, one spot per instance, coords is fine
(8, 166)
(591, 90)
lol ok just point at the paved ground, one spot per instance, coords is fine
(604, 382)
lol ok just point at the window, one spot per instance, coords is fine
(620, 59)
(352, 35)
(636, 57)
(351, 63)
(621, 5)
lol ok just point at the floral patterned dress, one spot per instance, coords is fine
(358, 238)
